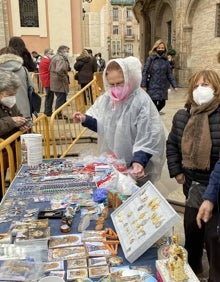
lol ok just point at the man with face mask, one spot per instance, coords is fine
(11, 119)
(127, 122)
(59, 79)
(157, 75)
(192, 150)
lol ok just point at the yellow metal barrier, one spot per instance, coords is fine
(10, 149)
(58, 135)
(64, 132)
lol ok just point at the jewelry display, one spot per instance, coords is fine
(146, 223)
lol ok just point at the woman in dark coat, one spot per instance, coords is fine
(158, 66)
(85, 65)
(11, 119)
(193, 147)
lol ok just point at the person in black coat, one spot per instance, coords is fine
(85, 66)
(157, 75)
(193, 147)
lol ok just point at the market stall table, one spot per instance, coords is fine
(54, 183)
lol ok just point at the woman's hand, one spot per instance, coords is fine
(204, 213)
(78, 117)
(19, 121)
(137, 170)
(180, 178)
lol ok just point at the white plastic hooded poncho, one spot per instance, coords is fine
(132, 125)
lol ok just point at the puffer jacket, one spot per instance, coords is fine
(11, 62)
(86, 66)
(174, 152)
(212, 192)
(161, 77)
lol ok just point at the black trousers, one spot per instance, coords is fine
(48, 101)
(160, 104)
(196, 239)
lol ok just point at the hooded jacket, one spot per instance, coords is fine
(132, 126)
(11, 62)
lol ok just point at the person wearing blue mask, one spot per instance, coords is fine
(126, 120)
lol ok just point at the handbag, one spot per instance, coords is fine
(34, 98)
(148, 76)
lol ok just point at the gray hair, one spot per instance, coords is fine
(63, 48)
(9, 81)
(48, 50)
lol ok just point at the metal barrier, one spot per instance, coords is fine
(64, 133)
(73, 83)
(58, 135)
(10, 149)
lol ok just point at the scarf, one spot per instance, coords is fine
(196, 140)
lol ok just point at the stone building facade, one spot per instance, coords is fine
(192, 27)
(4, 26)
(78, 24)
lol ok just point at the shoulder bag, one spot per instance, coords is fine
(34, 98)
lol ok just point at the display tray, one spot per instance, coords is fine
(142, 220)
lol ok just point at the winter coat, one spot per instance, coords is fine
(212, 192)
(161, 77)
(174, 152)
(7, 125)
(59, 79)
(44, 71)
(11, 62)
(86, 66)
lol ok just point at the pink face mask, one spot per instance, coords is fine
(119, 93)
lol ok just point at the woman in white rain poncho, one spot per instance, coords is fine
(126, 120)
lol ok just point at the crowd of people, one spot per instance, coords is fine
(127, 120)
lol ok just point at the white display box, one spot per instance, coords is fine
(142, 220)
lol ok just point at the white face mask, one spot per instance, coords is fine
(8, 101)
(202, 95)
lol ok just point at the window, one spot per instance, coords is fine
(28, 13)
(115, 29)
(129, 14)
(115, 14)
(217, 21)
(128, 50)
(129, 31)
(116, 48)
(169, 32)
